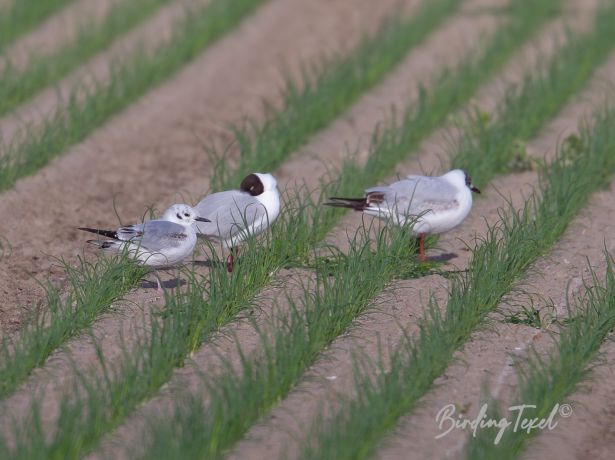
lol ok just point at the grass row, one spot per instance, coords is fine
(265, 147)
(496, 144)
(322, 98)
(33, 344)
(93, 286)
(510, 247)
(86, 108)
(546, 380)
(20, 16)
(236, 398)
(231, 410)
(187, 323)
(17, 85)
(176, 327)
(325, 91)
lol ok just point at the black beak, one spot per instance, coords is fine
(201, 219)
(474, 189)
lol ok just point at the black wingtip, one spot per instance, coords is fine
(350, 200)
(333, 205)
(358, 204)
(102, 244)
(107, 233)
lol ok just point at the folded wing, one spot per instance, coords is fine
(155, 235)
(230, 213)
(413, 196)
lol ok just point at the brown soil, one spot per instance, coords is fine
(289, 420)
(587, 432)
(58, 29)
(325, 150)
(151, 33)
(263, 441)
(169, 122)
(123, 160)
(486, 358)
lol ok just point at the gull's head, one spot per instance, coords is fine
(183, 214)
(258, 183)
(461, 178)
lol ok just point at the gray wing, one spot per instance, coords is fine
(155, 235)
(130, 231)
(230, 212)
(416, 194)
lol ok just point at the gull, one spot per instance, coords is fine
(431, 204)
(158, 243)
(237, 214)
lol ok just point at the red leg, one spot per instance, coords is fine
(422, 256)
(230, 261)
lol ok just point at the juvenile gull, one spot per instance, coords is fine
(430, 204)
(237, 214)
(158, 243)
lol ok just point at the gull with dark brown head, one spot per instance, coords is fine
(431, 204)
(237, 214)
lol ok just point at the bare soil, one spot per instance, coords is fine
(587, 432)
(327, 150)
(58, 29)
(151, 154)
(123, 162)
(149, 34)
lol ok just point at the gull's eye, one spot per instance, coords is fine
(179, 216)
(186, 214)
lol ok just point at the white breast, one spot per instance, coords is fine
(271, 201)
(443, 220)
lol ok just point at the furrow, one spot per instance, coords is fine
(60, 117)
(405, 450)
(497, 263)
(585, 434)
(385, 162)
(95, 72)
(268, 435)
(325, 151)
(57, 30)
(121, 328)
(482, 357)
(160, 373)
(18, 17)
(167, 299)
(578, 257)
(20, 82)
(162, 132)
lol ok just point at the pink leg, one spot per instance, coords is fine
(422, 256)
(230, 260)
